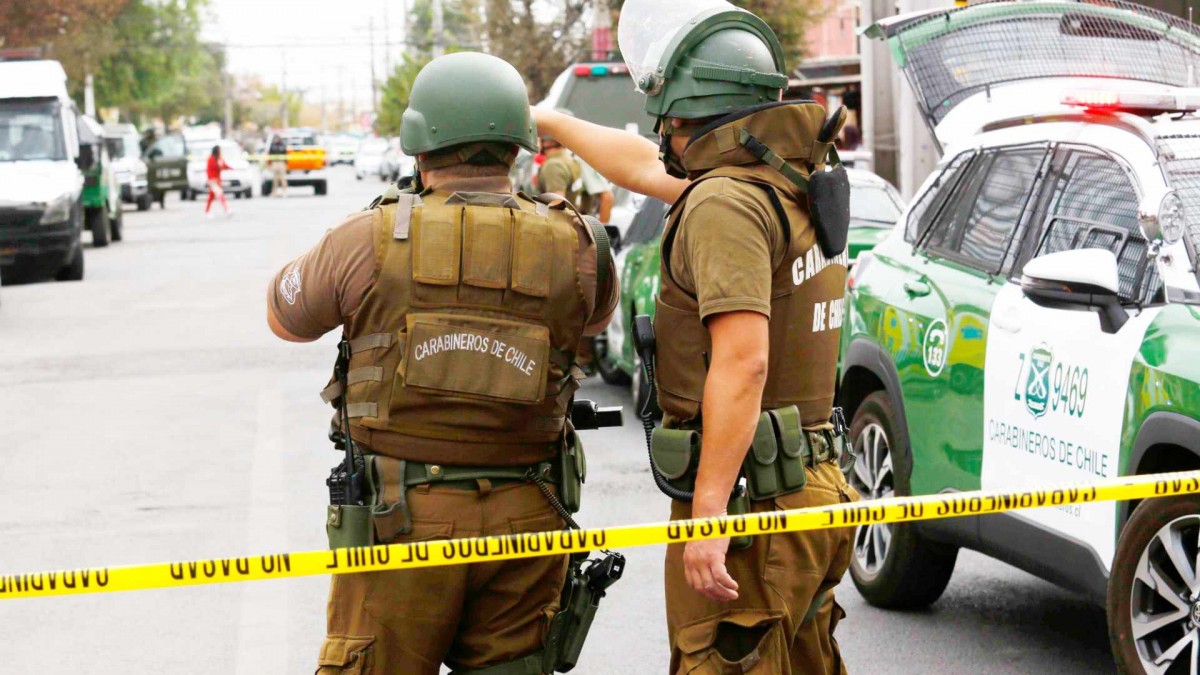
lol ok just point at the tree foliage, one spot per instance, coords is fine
(395, 94)
(146, 56)
(540, 38)
(461, 27)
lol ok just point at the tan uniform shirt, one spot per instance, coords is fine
(560, 175)
(728, 247)
(318, 291)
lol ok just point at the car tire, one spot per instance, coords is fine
(249, 193)
(73, 270)
(266, 189)
(96, 221)
(1161, 534)
(608, 369)
(319, 188)
(117, 225)
(144, 202)
(892, 566)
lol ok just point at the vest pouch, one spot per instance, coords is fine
(473, 357)
(739, 505)
(792, 446)
(436, 253)
(571, 472)
(349, 526)
(761, 466)
(829, 206)
(676, 455)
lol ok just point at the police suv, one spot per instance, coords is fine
(1033, 320)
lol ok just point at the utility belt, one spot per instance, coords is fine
(776, 462)
(370, 506)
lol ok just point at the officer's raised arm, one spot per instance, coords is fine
(623, 157)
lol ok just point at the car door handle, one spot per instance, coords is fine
(916, 289)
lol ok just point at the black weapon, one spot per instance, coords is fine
(587, 415)
(345, 480)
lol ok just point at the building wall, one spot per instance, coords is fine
(835, 35)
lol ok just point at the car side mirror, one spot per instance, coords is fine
(1083, 279)
(614, 237)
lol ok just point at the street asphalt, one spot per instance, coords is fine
(149, 415)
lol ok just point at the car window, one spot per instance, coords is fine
(647, 223)
(931, 201)
(976, 227)
(167, 146)
(873, 206)
(1093, 204)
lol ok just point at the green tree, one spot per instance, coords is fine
(395, 93)
(539, 37)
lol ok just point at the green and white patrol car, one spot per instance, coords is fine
(1033, 319)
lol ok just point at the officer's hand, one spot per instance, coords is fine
(704, 569)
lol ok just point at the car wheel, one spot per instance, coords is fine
(1154, 589)
(249, 193)
(319, 189)
(72, 271)
(118, 225)
(642, 390)
(892, 566)
(609, 371)
(144, 202)
(96, 221)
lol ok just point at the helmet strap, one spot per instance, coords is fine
(668, 157)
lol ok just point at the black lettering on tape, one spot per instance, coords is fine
(333, 560)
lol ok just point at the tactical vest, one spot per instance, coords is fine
(806, 288)
(461, 352)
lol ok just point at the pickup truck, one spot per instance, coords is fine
(305, 164)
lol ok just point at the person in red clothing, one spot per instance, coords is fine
(215, 166)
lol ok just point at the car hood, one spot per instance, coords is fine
(978, 64)
(37, 182)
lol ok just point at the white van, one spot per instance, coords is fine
(40, 179)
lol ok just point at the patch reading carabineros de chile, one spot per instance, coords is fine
(492, 358)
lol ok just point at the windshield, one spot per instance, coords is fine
(610, 101)
(1181, 157)
(31, 129)
(873, 206)
(123, 146)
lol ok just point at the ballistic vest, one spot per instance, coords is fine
(461, 352)
(807, 288)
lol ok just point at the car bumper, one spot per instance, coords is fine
(30, 250)
(134, 190)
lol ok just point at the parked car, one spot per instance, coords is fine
(101, 194)
(874, 207)
(122, 140)
(369, 159)
(166, 162)
(238, 180)
(395, 163)
(1032, 320)
(305, 162)
(41, 214)
(341, 148)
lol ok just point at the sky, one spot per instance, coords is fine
(321, 46)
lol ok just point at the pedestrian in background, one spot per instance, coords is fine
(277, 152)
(215, 166)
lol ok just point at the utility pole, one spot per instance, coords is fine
(374, 96)
(387, 42)
(341, 111)
(228, 105)
(284, 109)
(439, 40)
(89, 96)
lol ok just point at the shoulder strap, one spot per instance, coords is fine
(405, 203)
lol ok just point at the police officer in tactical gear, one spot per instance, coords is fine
(461, 304)
(748, 322)
(561, 173)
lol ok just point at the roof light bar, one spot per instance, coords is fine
(583, 71)
(1176, 100)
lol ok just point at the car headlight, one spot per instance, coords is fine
(57, 210)
(1171, 221)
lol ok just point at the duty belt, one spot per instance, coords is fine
(468, 477)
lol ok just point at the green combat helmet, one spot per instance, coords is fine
(469, 101)
(700, 58)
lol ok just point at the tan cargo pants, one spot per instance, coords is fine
(468, 616)
(779, 577)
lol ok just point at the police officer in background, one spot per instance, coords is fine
(462, 304)
(561, 173)
(748, 323)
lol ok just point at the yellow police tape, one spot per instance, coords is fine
(530, 545)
